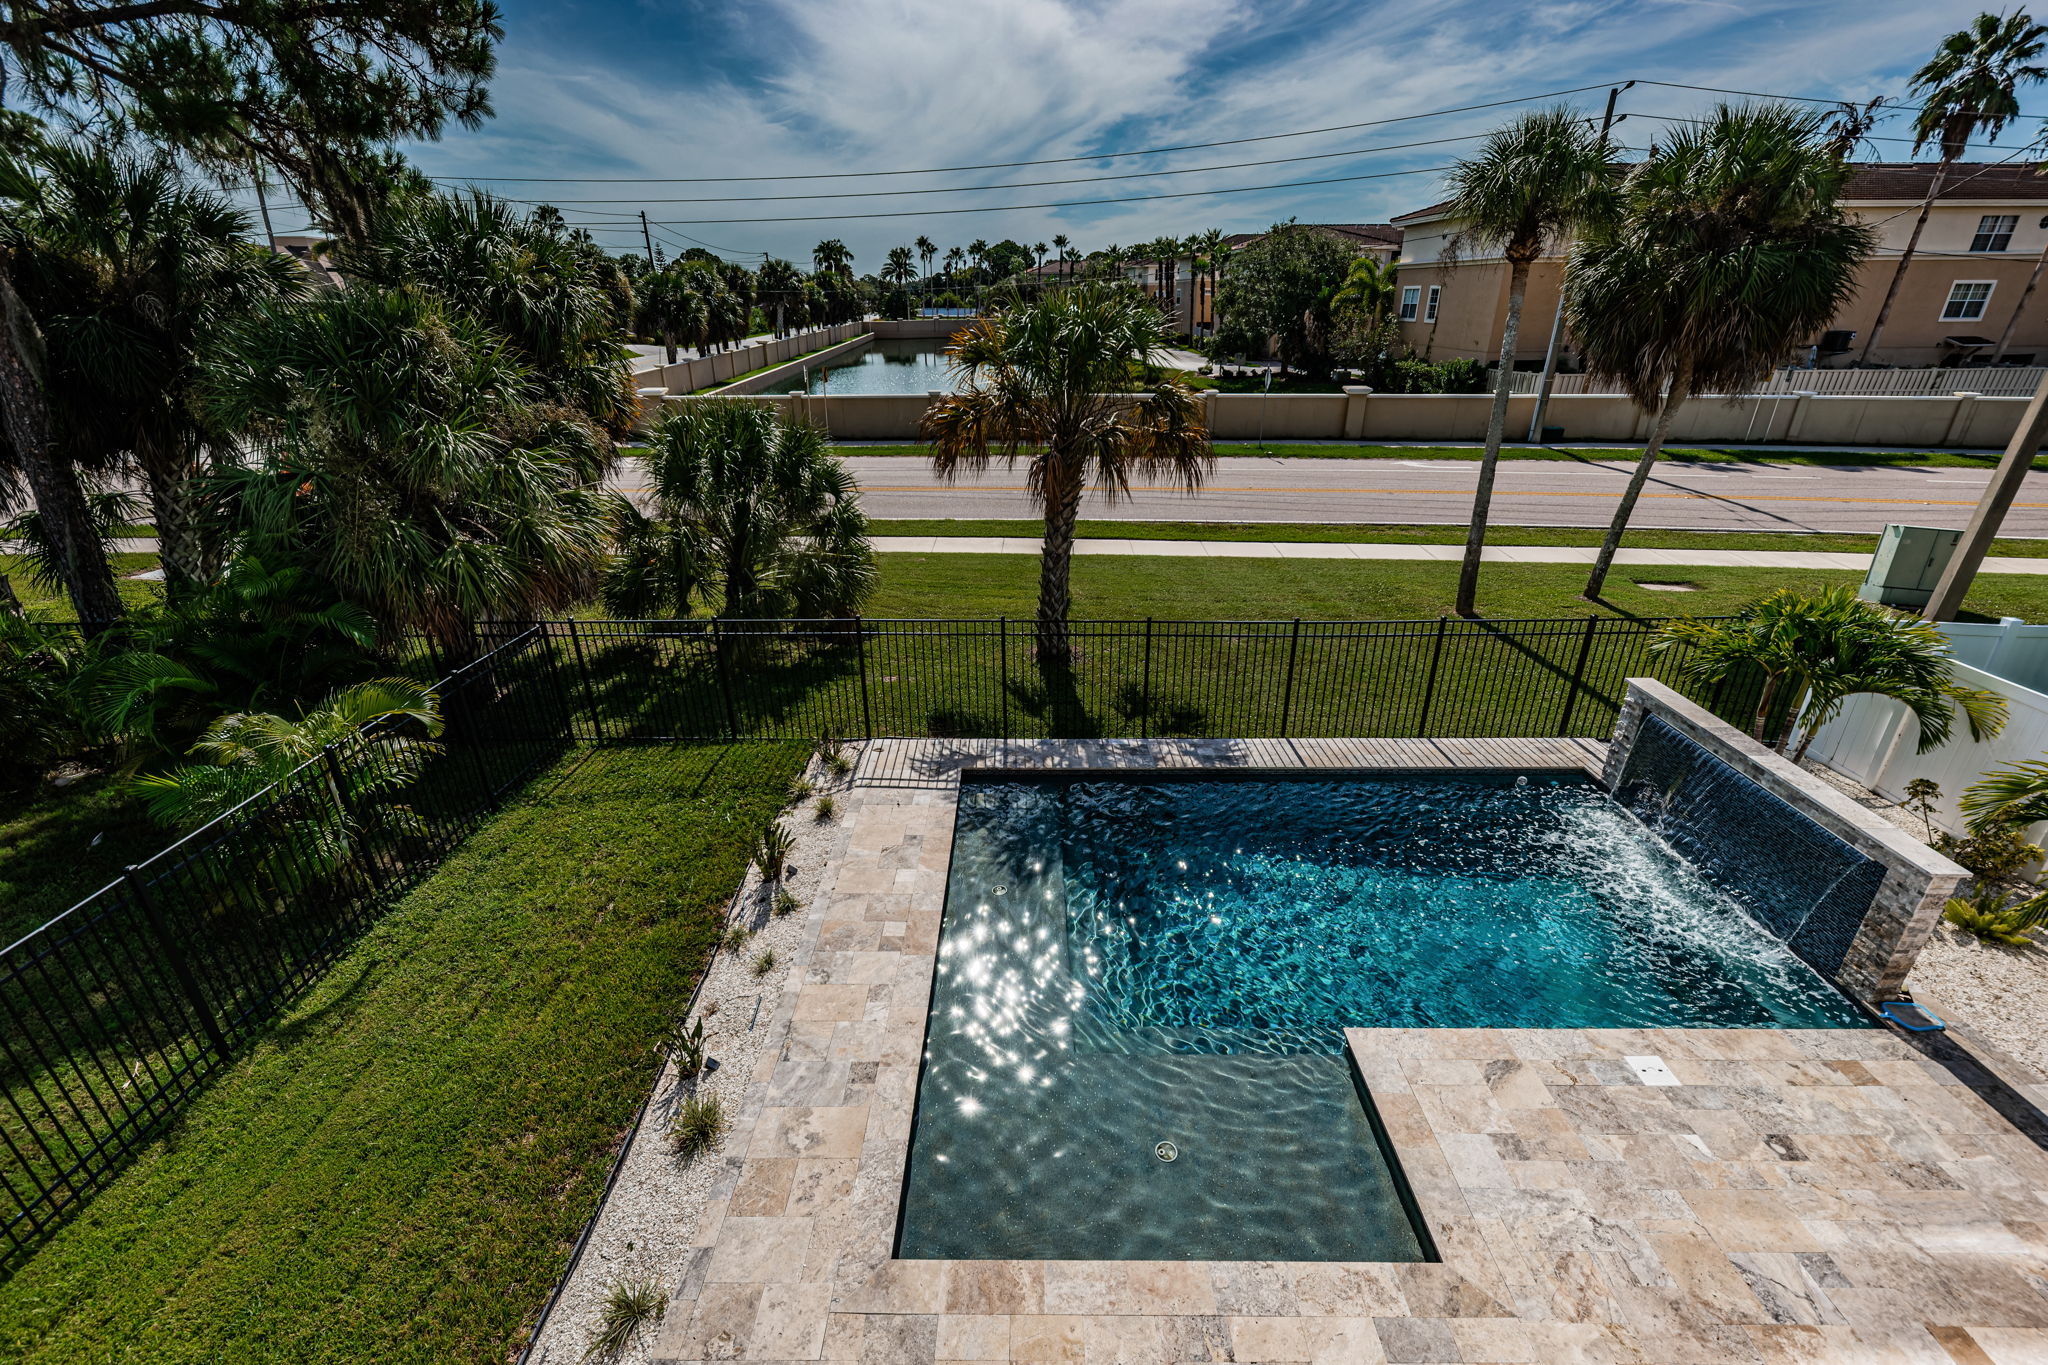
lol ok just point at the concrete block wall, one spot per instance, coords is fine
(1917, 881)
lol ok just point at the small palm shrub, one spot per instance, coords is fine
(1986, 915)
(786, 903)
(827, 808)
(834, 756)
(629, 1305)
(799, 790)
(698, 1125)
(735, 937)
(771, 854)
(765, 963)
(685, 1047)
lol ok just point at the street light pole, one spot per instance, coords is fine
(1557, 318)
(1991, 509)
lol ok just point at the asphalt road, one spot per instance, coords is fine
(1526, 493)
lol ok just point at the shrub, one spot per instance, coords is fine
(1986, 915)
(786, 903)
(799, 790)
(772, 852)
(735, 937)
(827, 808)
(685, 1047)
(698, 1125)
(1995, 853)
(629, 1305)
(765, 963)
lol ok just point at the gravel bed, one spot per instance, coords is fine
(1996, 992)
(645, 1229)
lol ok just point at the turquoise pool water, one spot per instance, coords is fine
(888, 366)
(1129, 963)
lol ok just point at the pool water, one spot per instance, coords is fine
(888, 366)
(1124, 963)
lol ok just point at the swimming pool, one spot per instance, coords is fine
(1127, 963)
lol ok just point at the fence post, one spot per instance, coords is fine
(175, 955)
(1429, 689)
(1003, 683)
(732, 719)
(1145, 691)
(589, 693)
(1571, 698)
(860, 645)
(1287, 694)
(348, 812)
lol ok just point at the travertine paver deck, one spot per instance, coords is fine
(1808, 1195)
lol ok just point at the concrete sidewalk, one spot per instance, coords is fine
(1499, 554)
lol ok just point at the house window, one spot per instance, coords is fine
(1966, 300)
(1436, 292)
(1994, 232)
(1411, 300)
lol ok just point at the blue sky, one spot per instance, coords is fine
(679, 88)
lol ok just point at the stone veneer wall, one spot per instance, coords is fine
(1917, 880)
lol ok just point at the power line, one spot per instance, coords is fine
(1022, 184)
(1802, 99)
(1010, 165)
(1057, 204)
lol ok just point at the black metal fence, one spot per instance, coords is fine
(649, 681)
(114, 1013)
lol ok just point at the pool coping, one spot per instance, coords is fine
(1581, 1213)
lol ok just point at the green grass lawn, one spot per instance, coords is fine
(1277, 589)
(61, 844)
(1937, 459)
(1351, 533)
(397, 1172)
(51, 601)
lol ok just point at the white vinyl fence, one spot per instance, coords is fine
(1873, 740)
(1999, 381)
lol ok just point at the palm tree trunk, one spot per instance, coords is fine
(2005, 337)
(1891, 293)
(179, 544)
(1496, 425)
(1763, 707)
(1598, 579)
(10, 605)
(668, 339)
(81, 558)
(1055, 564)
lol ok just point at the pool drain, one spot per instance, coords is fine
(1166, 1151)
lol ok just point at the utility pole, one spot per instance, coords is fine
(1557, 320)
(648, 238)
(1991, 509)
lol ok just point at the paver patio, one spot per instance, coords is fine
(1791, 1195)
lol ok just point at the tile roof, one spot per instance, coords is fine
(1966, 180)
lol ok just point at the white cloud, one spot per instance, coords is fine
(889, 84)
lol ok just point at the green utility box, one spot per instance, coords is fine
(1907, 565)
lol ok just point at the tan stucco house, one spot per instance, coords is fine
(1988, 229)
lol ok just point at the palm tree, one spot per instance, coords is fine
(1060, 243)
(1369, 287)
(1207, 250)
(831, 254)
(32, 445)
(955, 258)
(2011, 797)
(321, 811)
(148, 270)
(927, 249)
(1818, 650)
(1970, 85)
(977, 252)
(672, 308)
(780, 282)
(899, 271)
(410, 461)
(1529, 186)
(1730, 248)
(526, 277)
(754, 516)
(1044, 383)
